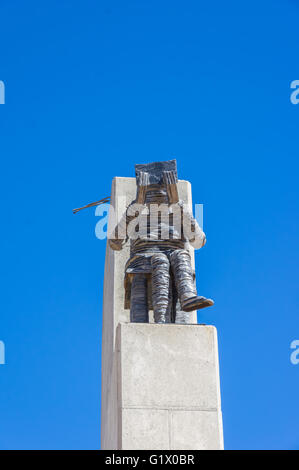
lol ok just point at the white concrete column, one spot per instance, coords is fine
(168, 387)
(115, 412)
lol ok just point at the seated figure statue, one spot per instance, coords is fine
(159, 274)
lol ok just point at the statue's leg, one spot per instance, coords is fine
(139, 305)
(184, 281)
(179, 316)
(161, 288)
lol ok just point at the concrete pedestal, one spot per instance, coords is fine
(160, 383)
(168, 387)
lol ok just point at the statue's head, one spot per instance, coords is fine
(152, 175)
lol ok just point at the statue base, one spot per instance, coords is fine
(168, 392)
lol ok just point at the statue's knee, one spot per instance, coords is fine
(160, 260)
(177, 254)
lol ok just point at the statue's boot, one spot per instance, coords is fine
(196, 303)
(184, 281)
(161, 288)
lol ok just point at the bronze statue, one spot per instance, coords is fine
(158, 274)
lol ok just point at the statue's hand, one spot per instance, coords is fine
(115, 244)
(170, 181)
(143, 182)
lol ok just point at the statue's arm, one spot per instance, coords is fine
(136, 206)
(195, 234)
(121, 232)
(170, 181)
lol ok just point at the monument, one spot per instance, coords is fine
(160, 373)
(159, 274)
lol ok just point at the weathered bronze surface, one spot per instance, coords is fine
(158, 274)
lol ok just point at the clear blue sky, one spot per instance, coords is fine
(92, 88)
